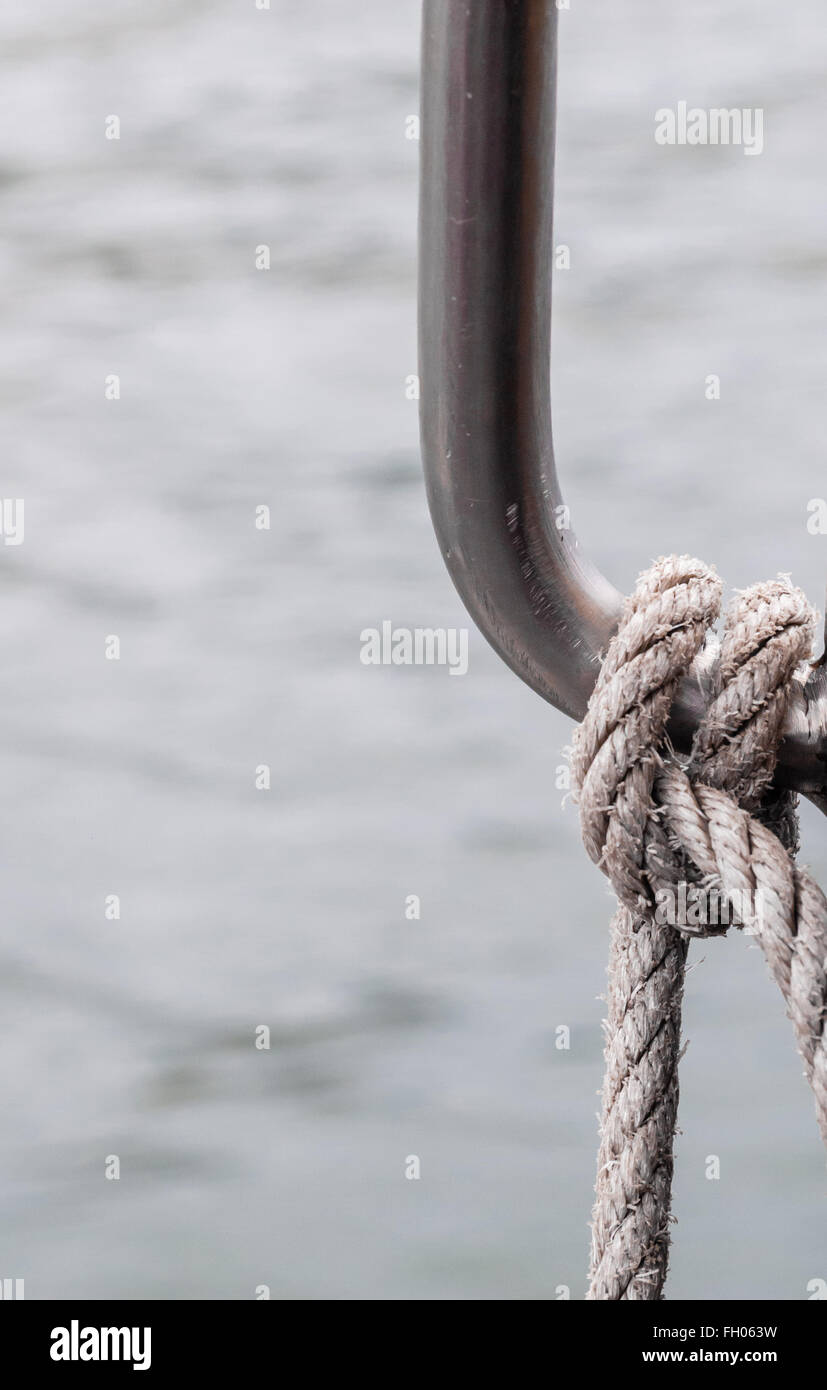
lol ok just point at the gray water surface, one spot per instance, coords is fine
(240, 647)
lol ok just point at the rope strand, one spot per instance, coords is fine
(709, 833)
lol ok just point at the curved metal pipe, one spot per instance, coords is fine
(489, 71)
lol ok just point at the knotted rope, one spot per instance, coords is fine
(679, 839)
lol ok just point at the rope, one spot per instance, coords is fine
(689, 848)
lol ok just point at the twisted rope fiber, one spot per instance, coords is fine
(713, 825)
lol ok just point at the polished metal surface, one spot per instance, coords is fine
(489, 73)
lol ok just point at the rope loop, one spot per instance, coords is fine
(691, 847)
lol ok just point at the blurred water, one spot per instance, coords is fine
(242, 1167)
